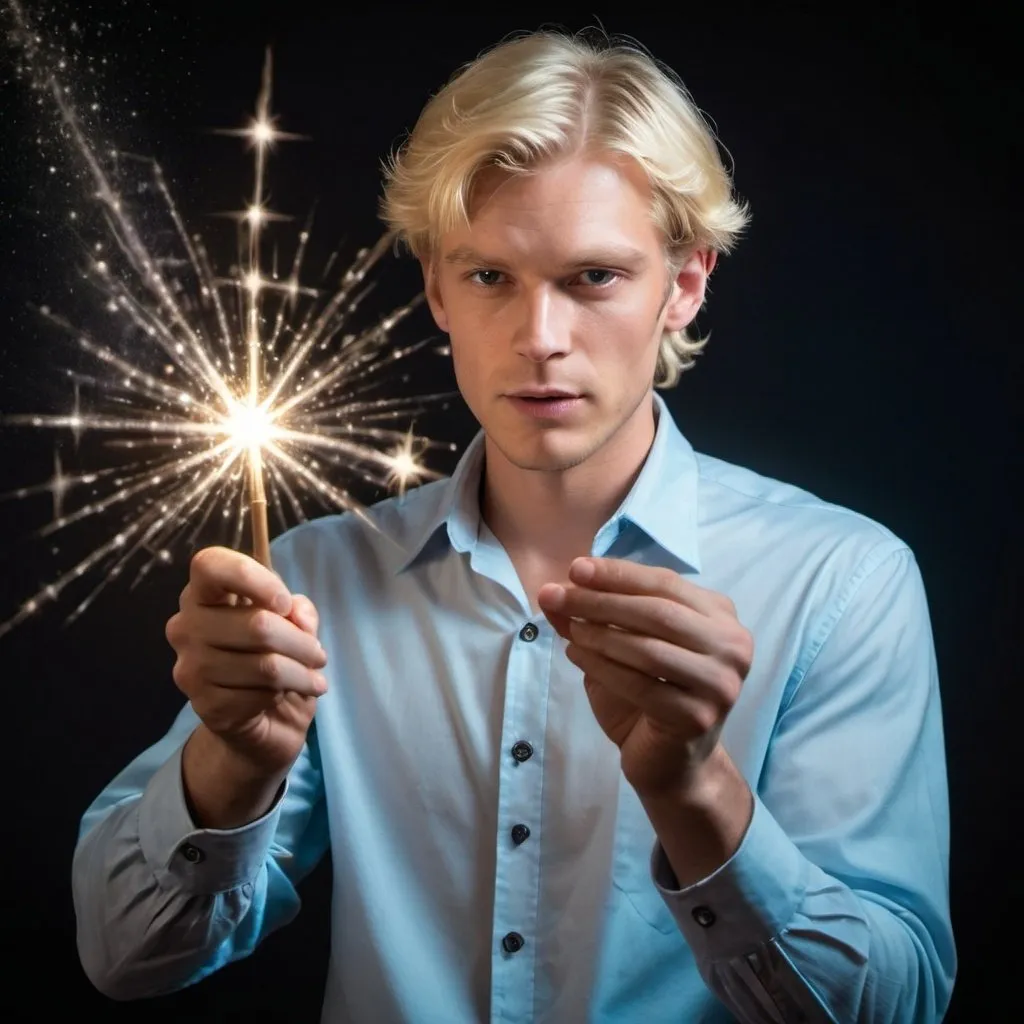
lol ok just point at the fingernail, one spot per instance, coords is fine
(282, 603)
(320, 685)
(582, 570)
(554, 596)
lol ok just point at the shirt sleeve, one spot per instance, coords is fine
(835, 907)
(161, 904)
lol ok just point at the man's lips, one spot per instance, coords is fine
(550, 406)
(541, 394)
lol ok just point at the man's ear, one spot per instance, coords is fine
(687, 295)
(432, 291)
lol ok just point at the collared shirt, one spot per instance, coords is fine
(490, 861)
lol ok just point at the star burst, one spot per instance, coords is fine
(222, 392)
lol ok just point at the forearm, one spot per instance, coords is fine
(777, 938)
(222, 790)
(160, 903)
(139, 934)
(701, 825)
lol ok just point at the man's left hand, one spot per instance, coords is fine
(663, 661)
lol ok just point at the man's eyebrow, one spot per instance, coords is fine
(466, 255)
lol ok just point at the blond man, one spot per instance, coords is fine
(599, 728)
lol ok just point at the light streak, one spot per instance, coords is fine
(217, 380)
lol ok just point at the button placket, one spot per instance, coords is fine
(517, 887)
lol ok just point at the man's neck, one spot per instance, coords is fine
(552, 517)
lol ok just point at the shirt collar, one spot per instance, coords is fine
(662, 503)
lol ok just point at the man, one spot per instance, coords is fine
(600, 729)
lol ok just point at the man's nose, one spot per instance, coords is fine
(542, 330)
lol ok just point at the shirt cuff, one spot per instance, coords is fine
(746, 902)
(201, 861)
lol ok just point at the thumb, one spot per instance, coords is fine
(304, 614)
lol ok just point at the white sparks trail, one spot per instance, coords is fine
(214, 378)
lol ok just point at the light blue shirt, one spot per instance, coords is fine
(834, 908)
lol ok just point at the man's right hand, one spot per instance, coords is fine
(248, 659)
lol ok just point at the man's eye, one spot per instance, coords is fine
(598, 277)
(485, 276)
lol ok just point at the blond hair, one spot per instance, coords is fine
(547, 94)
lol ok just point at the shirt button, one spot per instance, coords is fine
(192, 854)
(513, 942)
(529, 632)
(520, 833)
(704, 916)
(522, 751)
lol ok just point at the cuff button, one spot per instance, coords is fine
(704, 916)
(192, 854)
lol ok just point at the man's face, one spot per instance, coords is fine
(559, 284)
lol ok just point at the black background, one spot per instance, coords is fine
(865, 345)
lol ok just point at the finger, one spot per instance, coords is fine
(560, 624)
(548, 597)
(678, 710)
(684, 669)
(304, 614)
(254, 630)
(258, 671)
(625, 577)
(650, 616)
(215, 573)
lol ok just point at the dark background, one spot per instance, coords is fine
(864, 346)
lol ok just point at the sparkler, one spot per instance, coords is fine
(199, 431)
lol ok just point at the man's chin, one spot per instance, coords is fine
(545, 454)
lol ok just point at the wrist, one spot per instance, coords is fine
(701, 821)
(223, 788)
(700, 787)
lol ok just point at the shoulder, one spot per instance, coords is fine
(780, 521)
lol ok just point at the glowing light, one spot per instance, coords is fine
(262, 132)
(405, 467)
(248, 427)
(202, 373)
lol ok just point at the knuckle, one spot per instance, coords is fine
(667, 578)
(202, 562)
(244, 571)
(308, 609)
(270, 668)
(262, 626)
(726, 684)
(182, 676)
(705, 716)
(666, 617)
(739, 648)
(173, 632)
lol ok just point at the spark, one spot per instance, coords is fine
(405, 465)
(262, 132)
(213, 377)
